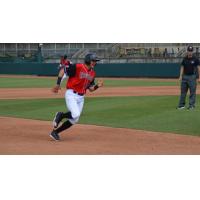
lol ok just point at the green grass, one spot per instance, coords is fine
(135, 82)
(26, 82)
(146, 113)
(49, 82)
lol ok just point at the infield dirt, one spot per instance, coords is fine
(23, 136)
(35, 93)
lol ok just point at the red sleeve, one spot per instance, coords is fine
(62, 62)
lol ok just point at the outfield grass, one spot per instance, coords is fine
(135, 82)
(26, 82)
(156, 113)
(49, 82)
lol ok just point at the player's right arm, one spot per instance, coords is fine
(182, 69)
(61, 73)
(56, 88)
(181, 73)
(70, 70)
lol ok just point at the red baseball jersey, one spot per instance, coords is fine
(82, 79)
(64, 62)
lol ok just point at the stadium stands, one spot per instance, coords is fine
(108, 52)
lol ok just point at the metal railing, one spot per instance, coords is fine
(109, 53)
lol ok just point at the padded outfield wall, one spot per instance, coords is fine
(157, 70)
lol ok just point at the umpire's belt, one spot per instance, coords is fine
(81, 94)
(189, 74)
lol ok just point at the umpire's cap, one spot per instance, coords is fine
(190, 48)
(91, 57)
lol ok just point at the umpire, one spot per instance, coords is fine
(189, 73)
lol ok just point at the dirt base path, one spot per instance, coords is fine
(23, 136)
(33, 93)
(104, 78)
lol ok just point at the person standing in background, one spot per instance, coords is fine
(64, 63)
(189, 73)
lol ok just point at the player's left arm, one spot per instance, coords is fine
(198, 69)
(94, 86)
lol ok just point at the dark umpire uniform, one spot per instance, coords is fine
(188, 75)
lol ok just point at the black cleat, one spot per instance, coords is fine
(54, 136)
(57, 119)
(190, 107)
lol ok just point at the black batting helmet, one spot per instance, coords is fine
(91, 57)
(190, 48)
(65, 56)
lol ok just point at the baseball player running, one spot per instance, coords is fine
(64, 63)
(81, 78)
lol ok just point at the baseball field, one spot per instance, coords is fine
(126, 116)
